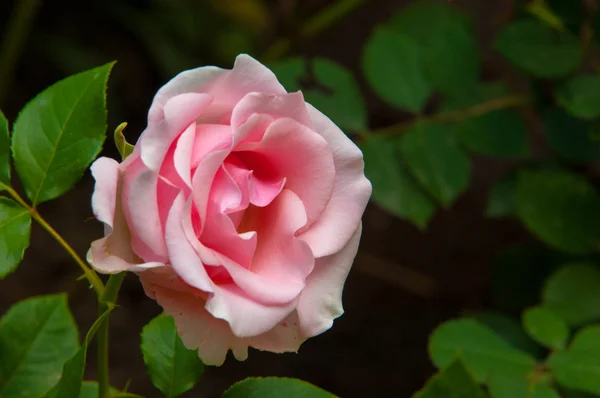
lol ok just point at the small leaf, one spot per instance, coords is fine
(172, 368)
(501, 200)
(450, 54)
(483, 351)
(546, 327)
(500, 133)
(572, 293)
(579, 366)
(510, 386)
(519, 273)
(573, 139)
(275, 387)
(336, 93)
(37, 337)
(344, 105)
(581, 96)
(15, 226)
(560, 207)
(4, 152)
(59, 133)
(436, 161)
(70, 383)
(510, 331)
(394, 189)
(392, 65)
(123, 146)
(453, 381)
(538, 49)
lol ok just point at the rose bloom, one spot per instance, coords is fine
(239, 209)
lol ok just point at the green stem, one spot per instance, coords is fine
(18, 28)
(106, 300)
(315, 25)
(457, 116)
(89, 273)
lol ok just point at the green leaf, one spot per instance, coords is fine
(519, 273)
(37, 337)
(334, 90)
(392, 65)
(546, 327)
(4, 152)
(560, 207)
(59, 133)
(450, 54)
(538, 49)
(483, 351)
(501, 200)
(573, 139)
(500, 133)
(572, 293)
(121, 143)
(15, 226)
(455, 381)
(394, 189)
(70, 383)
(172, 368)
(579, 366)
(275, 387)
(511, 386)
(436, 161)
(510, 331)
(581, 96)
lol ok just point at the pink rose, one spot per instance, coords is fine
(240, 210)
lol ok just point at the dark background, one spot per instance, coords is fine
(404, 281)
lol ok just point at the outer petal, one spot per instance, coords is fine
(198, 329)
(179, 112)
(321, 300)
(113, 253)
(227, 86)
(140, 203)
(351, 191)
(245, 316)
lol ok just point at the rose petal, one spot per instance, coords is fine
(286, 336)
(184, 259)
(245, 316)
(321, 301)
(351, 191)
(179, 112)
(198, 329)
(227, 86)
(279, 253)
(141, 209)
(301, 156)
(182, 157)
(290, 106)
(111, 254)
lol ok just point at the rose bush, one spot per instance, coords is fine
(240, 210)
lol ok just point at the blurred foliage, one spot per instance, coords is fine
(426, 61)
